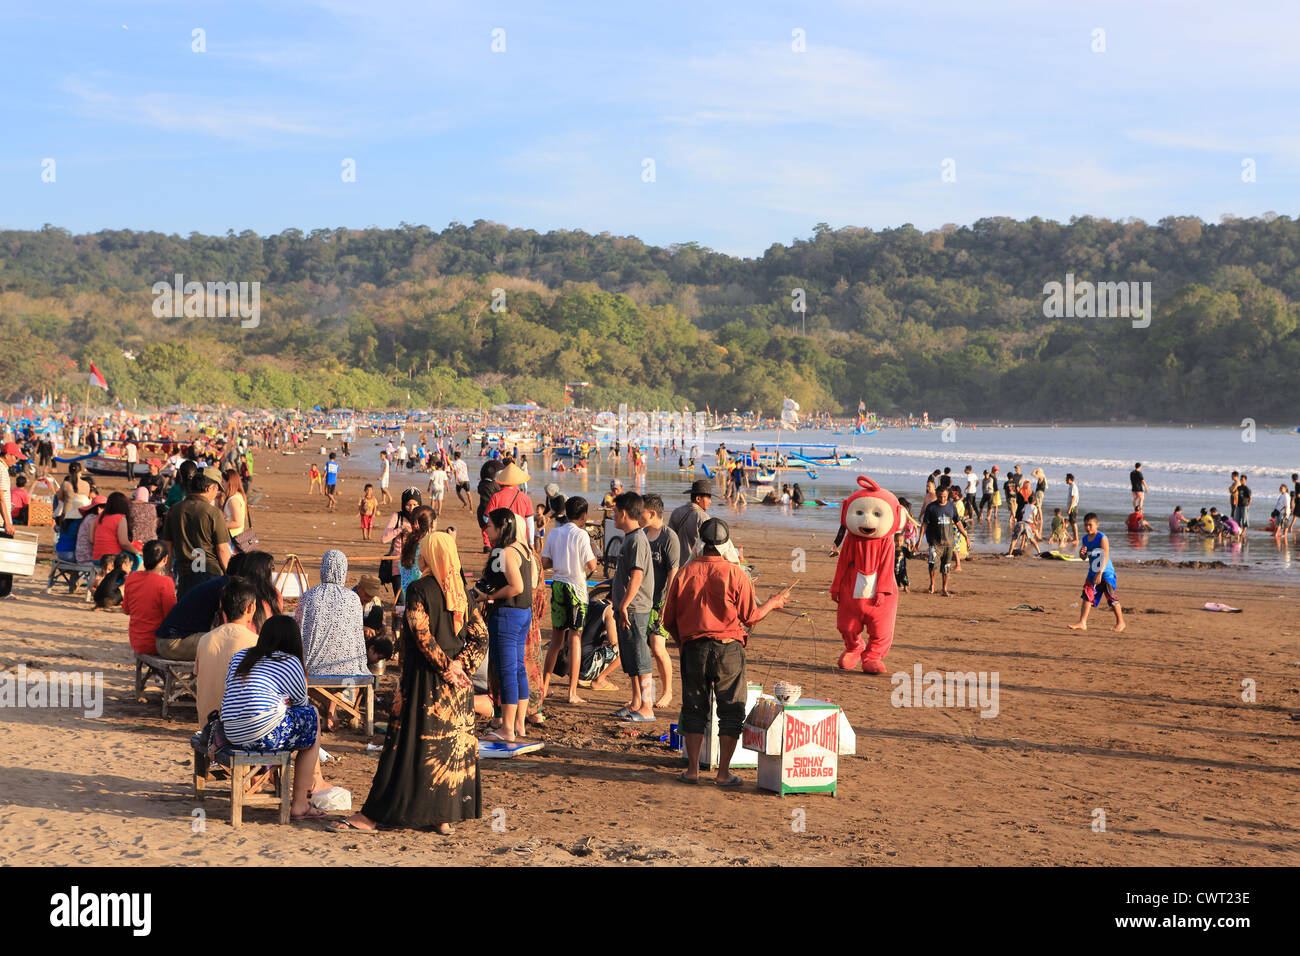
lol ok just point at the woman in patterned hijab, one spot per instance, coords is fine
(333, 635)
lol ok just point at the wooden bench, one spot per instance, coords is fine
(72, 574)
(329, 688)
(177, 679)
(240, 761)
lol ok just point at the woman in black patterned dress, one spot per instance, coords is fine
(428, 772)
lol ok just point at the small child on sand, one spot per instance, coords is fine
(1100, 581)
(1058, 528)
(315, 483)
(367, 507)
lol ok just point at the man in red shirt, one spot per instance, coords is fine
(513, 497)
(710, 606)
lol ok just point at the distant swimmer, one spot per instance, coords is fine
(1137, 521)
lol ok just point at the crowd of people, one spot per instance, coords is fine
(178, 554)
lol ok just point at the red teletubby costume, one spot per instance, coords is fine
(863, 585)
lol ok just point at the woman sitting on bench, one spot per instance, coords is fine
(333, 632)
(264, 707)
(112, 534)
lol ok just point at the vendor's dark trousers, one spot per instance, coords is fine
(709, 664)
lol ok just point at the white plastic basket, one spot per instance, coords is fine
(18, 554)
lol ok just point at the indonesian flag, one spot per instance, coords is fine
(97, 378)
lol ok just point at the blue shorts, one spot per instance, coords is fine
(296, 731)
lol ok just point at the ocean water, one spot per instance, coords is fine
(1183, 466)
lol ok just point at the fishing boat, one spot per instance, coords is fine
(572, 447)
(113, 465)
(814, 454)
(105, 465)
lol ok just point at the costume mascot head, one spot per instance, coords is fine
(863, 585)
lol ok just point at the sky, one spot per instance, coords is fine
(732, 124)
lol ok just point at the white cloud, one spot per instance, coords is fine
(174, 112)
(774, 85)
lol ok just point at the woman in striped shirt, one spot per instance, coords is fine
(265, 706)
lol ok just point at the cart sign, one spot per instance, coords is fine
(798, 744)
(810, 748)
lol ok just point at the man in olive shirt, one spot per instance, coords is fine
(685, 521)
(196, 530)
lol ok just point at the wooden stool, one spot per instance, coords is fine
(366, 683)
(177, 679)
(240, 762)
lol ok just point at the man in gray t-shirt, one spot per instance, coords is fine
(632, 594)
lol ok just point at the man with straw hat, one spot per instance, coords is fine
(708, 611)
(513, 497)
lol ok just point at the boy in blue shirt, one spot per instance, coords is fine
(331, 480)
(1100, 581)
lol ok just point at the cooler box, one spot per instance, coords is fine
(18, 554)
(798, 744)
(709, 751)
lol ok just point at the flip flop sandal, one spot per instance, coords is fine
(496, 736)
(639, 719)
(343, 826)
(682, 778)
(622, 713)
(735, 781)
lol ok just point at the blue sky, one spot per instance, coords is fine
(753, 143)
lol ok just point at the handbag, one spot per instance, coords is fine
(246, 540)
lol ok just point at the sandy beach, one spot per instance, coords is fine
(1149, 727)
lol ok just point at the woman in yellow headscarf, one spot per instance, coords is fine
(428, 772)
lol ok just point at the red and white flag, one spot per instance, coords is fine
(97, 378)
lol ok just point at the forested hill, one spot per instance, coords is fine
(950, 321)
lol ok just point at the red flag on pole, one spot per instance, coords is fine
(97, 378)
